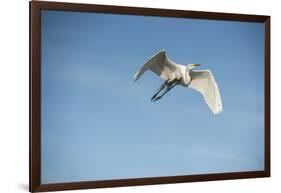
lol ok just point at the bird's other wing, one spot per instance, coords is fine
(161, 65)
(204, 82)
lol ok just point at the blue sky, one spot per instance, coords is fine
(98, 124)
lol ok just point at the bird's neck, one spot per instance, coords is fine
(189, 67)
(187, 75)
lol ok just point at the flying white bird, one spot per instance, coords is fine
(184, 75)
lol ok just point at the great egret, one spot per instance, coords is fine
(184, 75)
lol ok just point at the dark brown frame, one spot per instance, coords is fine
(34, 100)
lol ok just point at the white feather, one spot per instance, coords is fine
(204, 82)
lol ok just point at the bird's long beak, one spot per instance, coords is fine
(196, 65)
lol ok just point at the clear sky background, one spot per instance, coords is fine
(98, 124)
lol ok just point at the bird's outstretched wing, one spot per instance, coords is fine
(161, 65)
(204, 82)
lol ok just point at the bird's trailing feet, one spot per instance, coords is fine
(167, 85)
(154, 97)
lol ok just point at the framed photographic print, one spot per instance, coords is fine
(123, 96)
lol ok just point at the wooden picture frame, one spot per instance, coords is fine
(35, 93)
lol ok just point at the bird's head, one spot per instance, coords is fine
(191, 66)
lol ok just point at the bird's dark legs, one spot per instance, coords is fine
(159, 90)
(168, 87)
